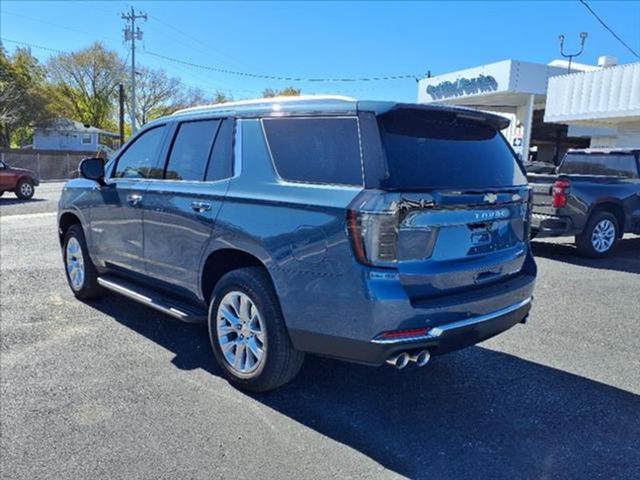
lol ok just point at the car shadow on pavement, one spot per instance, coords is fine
(15, 201)
(476, 413)
(625, 257)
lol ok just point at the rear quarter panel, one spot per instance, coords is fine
(297, 230)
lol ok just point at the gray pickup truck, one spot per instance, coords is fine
(595, 196)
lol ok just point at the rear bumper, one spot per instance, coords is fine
(439, 340)
(551, 225)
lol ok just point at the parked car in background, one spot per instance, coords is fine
(539, 167)
(371, 232)
(594, 196)
(20, 181)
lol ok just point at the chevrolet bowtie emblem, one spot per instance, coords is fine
(490, 198)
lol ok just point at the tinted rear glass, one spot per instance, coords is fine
(190, 151)
(317, 150)
(220, 162)
(426, 150)
(615, 165)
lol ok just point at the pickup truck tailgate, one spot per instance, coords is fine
(541, 186)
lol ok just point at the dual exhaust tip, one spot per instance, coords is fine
(401, 360)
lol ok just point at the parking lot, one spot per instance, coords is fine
(112, 389)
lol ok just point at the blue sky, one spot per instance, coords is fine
(327, 39)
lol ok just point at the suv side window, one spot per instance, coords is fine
(614, 165)
(221, 159)
(316, 150)
(140, 158)
(190, 150)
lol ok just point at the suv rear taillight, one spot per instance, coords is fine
(374, 237)
(559, 192)
(382, 238)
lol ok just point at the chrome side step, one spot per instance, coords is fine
(153, 299)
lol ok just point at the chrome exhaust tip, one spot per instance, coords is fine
(421, 358)
(399, 361)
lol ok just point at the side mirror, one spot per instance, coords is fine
(93, 169)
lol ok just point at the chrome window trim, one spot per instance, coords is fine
(284, 181)
(437, 332)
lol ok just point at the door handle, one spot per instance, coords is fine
(200, 206)
(134, 199)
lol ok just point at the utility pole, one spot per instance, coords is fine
(121, 112)
(133, 33)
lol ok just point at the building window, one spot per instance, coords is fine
(86, 139)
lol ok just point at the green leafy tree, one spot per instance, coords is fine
(285, 92)
(84, 84)
(23, 96)
(221, 97)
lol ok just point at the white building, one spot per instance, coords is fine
(607, 99)
(522, 92)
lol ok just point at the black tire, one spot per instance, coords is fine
(281, 361)
(1, 192)
(89, 287)
(584, 241)
(25, 189)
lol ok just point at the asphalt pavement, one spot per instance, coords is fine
(111, 389)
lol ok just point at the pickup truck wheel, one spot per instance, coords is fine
(24, 189)
(600, 236)
(80, 271)
(248, 333)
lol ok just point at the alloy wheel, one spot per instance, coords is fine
(603, 236)
(241, 333)
(75, 264)
(26, 189)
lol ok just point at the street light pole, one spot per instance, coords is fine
(133, 33)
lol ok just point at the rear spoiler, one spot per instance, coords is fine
(496, 121)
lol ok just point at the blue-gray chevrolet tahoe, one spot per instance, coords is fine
(373, 232)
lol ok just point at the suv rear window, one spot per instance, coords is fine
(611, 165)
(432, 150)
(190, 151)
(316, 150)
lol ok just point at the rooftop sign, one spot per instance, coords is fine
(463, 86)
(478, 85)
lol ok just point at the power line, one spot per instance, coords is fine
(53, 50)
(57, 25)
(32, 45)
(602, 22)
(283, 78)
(197, 40)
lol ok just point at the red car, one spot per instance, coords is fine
(20, 181)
